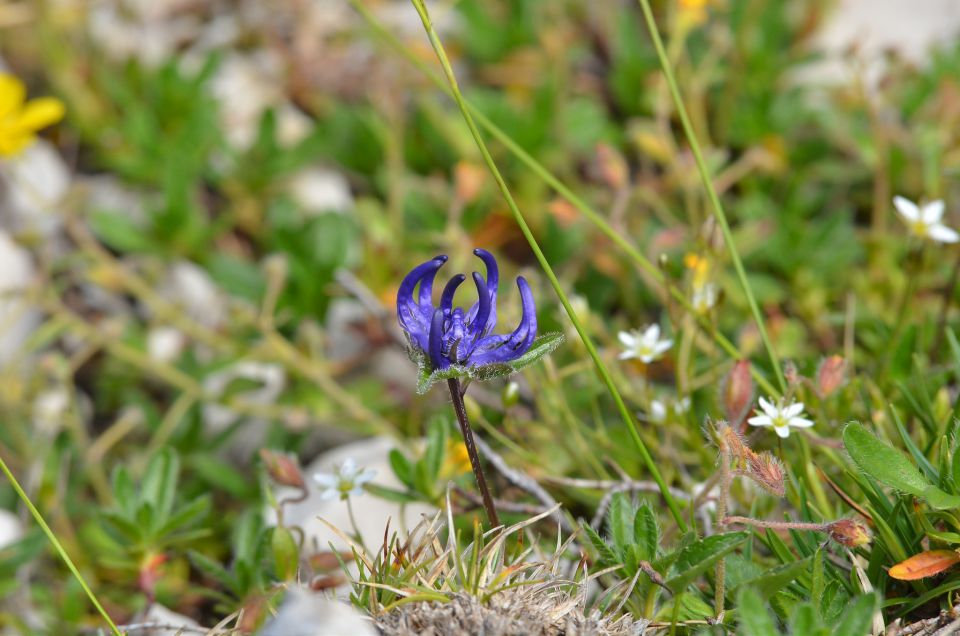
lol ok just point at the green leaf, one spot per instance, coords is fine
(159, 486)
(774, 580)
(646, 532)
(695, 559)
(755, 619)
(123, 491)
(857, 618)
(805, 620)
(389, 493)
(120, 232)
(892, 467)
(606, 556)
(620, 522)
(544, 344)
(401, 467)
(436, 447)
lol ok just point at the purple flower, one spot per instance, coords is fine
(448, 335)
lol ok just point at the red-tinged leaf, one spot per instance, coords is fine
(925, 564)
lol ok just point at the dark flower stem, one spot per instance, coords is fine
(456, 394)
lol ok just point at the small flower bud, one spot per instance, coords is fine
(326, 561)
(831, 375)
(734, 443)
(282, 468)
(736, 392)
(767, 471)
(286, 554)
(510, 394)
(849, 533)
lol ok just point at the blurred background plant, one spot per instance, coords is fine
(199, 263)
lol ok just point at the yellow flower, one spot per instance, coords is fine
(700, 266)
(20, 120)
(693, 12)
(456, 461)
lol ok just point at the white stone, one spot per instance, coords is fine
(246, 85)
(35, 184)
(305, 614)
(19, 316)
(11, 529)
(173, 623)
(191, 288)
(272, 381)
(165, 344)
(317, 190)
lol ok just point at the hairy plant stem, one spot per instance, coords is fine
(719, 585)
(776, 525)
(456, 394)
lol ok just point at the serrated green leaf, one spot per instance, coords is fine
(607, 557)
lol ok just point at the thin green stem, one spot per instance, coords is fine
(545, 265)
(711, 191)
(550, 179)
(58, 546)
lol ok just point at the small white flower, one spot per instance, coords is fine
(924, 221)
(781, 417)
(646, 346)
(347, 479)
(704, 298)
(682, 405)
(658, 411)
(165, 344)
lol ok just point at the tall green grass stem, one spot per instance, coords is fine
(547, 269)
(711, 191)
(551, 180)
(58, 546)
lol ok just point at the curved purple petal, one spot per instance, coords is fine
(515, 345)
(493, 283)
(435, 346)
(484, 305)
(446, 298)
(412, 316)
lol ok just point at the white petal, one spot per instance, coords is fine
(627, 339)
(652, 333)
(943, 234)
(782, 431)
(769, 408)
(760, 420)
(348, 468)
(800, 422)
(793, 410)
(626, 355)
(325, 480)
(647, 358)
(357, 491)
(329, 493)
(663, 345)
(658, 412)
(932, 212)
(367, 474)
(907, 209)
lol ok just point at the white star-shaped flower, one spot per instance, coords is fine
(346, 480)
(646, 346)
(781, 417)
(924, 221)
